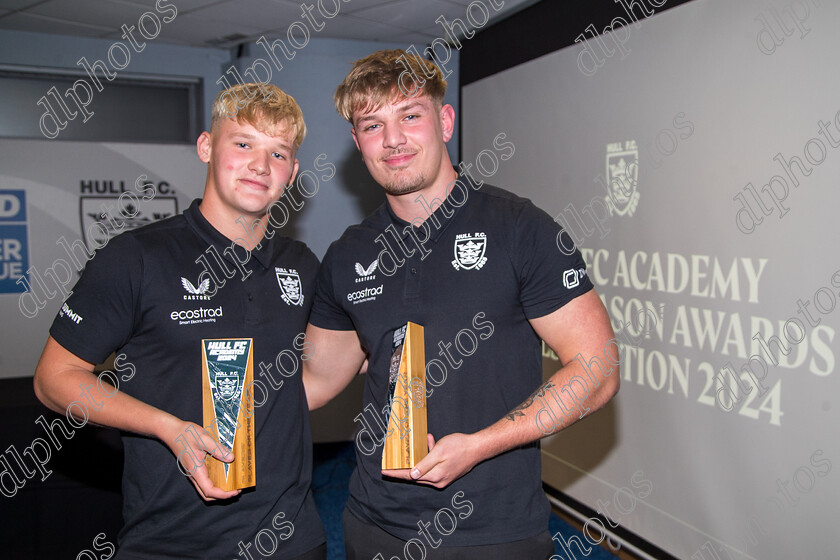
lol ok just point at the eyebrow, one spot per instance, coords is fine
(404, 109)
(410, 107)
(249, 136)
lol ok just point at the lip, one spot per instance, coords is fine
(254, 184)
(399, 159)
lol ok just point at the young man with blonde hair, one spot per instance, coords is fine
(152, 295)
(478, 493)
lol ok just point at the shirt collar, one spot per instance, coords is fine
(219, 242)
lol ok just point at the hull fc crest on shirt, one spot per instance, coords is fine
(290, 285)
(469, 251)
(622, 176)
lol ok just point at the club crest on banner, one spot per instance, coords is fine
(228, 385)
(289, 282)
(469, 251)
(104, 217)
(622, 177)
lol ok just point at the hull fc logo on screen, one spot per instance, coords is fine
(469, 251)
(290, 285)
(104, 217)
(622, 176)
(14, 249)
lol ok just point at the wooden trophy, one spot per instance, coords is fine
(227, 366)
(405, 439)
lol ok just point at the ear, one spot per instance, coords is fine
(294, 172)
(356, 140)
(447, 121)
(203, 146)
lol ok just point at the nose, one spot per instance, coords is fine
(260, 163)
(392, 136)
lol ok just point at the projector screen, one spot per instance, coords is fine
(693, 158)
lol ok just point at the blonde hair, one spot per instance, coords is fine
(274, 112)
(378, 79)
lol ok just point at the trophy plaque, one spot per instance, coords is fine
(227, 366)
(405, 439)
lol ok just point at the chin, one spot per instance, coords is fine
(254, 209)
(403, 185)
(400, 189)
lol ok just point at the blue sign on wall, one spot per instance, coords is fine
(14, 246)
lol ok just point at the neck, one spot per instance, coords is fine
(242, 229)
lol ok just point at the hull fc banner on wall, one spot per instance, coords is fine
(53, 219)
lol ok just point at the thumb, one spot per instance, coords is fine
(216, 449)
(421, 468)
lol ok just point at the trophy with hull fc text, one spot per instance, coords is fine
(227, 366)
(405, 440)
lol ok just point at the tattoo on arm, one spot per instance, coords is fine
(517, 411)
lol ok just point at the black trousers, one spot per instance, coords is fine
(365, 541)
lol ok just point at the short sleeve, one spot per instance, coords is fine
(99, 316)
(327, 312)
(550, 268)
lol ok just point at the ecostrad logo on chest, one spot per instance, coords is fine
(200, 315)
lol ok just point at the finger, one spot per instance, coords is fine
(215, 493)
(421, 467)
(221, 453)
(431, 478)
(216, 449)
(404, 474)
(200, 474)
(429, 462)
(430, 483)
(207, 490)
(199, 490)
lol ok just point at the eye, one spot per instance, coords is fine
(241, 145)
(372, 127)
(278, 155)
(412, 117)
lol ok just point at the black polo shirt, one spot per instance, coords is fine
(490, 264)
(145, 296)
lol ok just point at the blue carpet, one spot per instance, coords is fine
(333, 464)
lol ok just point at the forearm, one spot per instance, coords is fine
(557, 399)
(569, 395)
(119, 410)
(66, 384)
(60, 382)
